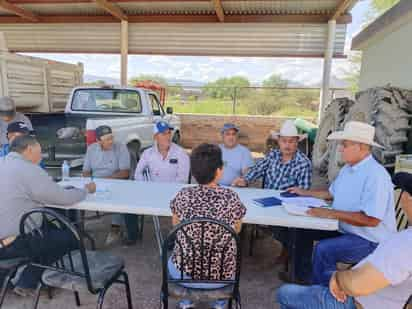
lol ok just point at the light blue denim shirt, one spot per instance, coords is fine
(366, 187)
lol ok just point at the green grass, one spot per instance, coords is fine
(225, 107)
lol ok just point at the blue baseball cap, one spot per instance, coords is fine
(161, 127)
(229, 126)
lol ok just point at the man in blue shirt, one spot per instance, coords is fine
(14, 129)
(363, 203)
(237, 159)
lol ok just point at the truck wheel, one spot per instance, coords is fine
(332, 120)
(176, 138)
(387, 109)
(134, 150)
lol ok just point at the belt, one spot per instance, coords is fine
(7, 241)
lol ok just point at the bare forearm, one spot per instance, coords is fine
(356, 218)
(87, 173)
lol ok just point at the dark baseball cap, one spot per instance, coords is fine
(102, 131)
(229, 126)
(18, 127)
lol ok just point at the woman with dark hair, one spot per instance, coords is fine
(207, 200)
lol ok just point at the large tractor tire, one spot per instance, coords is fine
(332, 120)
(388, 110)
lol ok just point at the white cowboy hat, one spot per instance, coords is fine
(288, 129)
(357, 132)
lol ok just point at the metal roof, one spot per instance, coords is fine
(290, 28)
(230, 7)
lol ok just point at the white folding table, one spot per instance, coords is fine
(153, 198)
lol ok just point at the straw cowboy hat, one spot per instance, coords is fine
(357, 132)
(288, 129)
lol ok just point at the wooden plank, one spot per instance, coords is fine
(219, 10)
(112, 9)
(341, 8)
(270, 18)
(23, 13)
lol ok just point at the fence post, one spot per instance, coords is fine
(234, 100)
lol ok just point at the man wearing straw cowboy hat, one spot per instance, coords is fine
(281, 169)
(362, 202)
(284, 167)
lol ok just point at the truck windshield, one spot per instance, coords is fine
(107, 100)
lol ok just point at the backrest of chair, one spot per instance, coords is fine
(202, 252)
(401, 218)
(38, 223)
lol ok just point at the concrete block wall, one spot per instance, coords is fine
(254, 130)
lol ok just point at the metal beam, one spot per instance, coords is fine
(27, 15)
(112, 9)
(124, 51)
(342, 8)
(327, 69)
(220, 13)
(302, 19)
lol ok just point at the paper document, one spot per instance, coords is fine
(304, 201)
(296, 210)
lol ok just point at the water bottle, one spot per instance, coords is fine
(65, 170)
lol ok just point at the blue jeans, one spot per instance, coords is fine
(348, 248)
(293, 296)
(176, 274)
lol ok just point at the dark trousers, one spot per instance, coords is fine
(54, 245)
(132, 226)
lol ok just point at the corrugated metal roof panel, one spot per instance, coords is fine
(232, 7)
(280, 7)
(252, 39)
(64, 9)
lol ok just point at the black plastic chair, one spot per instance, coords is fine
(9, 267)
(77, 270)
(173, 287)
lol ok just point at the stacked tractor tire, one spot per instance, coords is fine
(388, 109)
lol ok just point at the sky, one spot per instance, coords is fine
(303, 70)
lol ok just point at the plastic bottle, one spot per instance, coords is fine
(65, 170)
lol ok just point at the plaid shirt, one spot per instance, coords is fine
(279, 176)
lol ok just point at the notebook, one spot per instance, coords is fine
(268, 201)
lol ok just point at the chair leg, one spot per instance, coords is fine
(253, 234)
(37, 295)
(77, 298)
(5, 285)
(127, 287)
(49, 292)
(230, 304)
(100, 299)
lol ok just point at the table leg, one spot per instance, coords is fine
(292, 254)
(158, 233)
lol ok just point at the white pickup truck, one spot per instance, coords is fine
(130, 112)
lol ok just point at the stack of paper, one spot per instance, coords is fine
(300, 205)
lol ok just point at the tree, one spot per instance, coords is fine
(153, 77)
(379, 6)
(276, 81)
(225, 87)
(98, 83)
